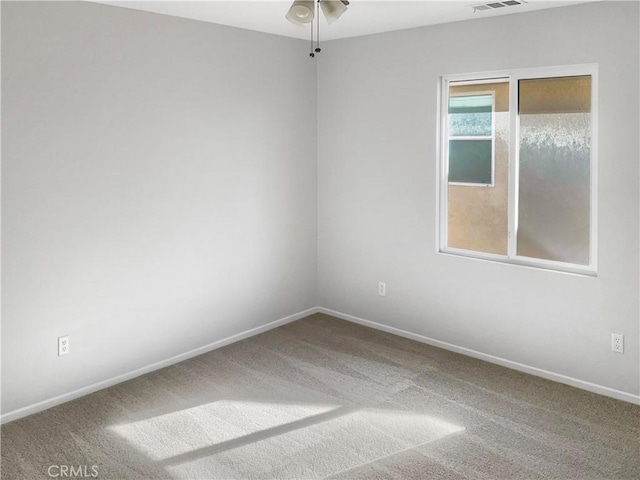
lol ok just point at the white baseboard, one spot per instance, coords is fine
(66, 397)
(556, 377)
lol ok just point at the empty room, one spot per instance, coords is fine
(320, 239)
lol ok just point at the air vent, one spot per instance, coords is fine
(494, 5)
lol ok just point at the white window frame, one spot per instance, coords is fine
(514, 76)
(476, 137)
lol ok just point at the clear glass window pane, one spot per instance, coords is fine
(554, 169)
(470, 161)
(477, 217)
(470, 115)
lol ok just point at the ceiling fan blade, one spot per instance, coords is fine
(301, 12)
(333, 9)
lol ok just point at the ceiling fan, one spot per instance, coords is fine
(302, 12)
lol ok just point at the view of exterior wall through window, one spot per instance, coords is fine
(477, 212)
(518, 177)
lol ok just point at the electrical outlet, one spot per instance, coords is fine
(382, 289)
(63, 345)
(617, 343)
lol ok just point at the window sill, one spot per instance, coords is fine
(547, 265)
(464, 184)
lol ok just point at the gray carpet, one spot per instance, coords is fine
(324, 398)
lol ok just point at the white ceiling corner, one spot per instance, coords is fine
(363, 17)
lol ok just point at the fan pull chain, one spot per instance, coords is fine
(312, 54)
(317, 27)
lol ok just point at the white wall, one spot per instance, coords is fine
(377, 102)
(158, 189)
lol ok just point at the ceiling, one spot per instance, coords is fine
(363, 17)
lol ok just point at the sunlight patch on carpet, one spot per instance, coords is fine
(182, 431)
(245, 439)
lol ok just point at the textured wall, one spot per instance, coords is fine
(158, 189)
(377, 193)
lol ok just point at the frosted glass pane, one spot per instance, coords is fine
(554, 175)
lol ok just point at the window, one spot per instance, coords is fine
(518, 167)
(471, 138)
